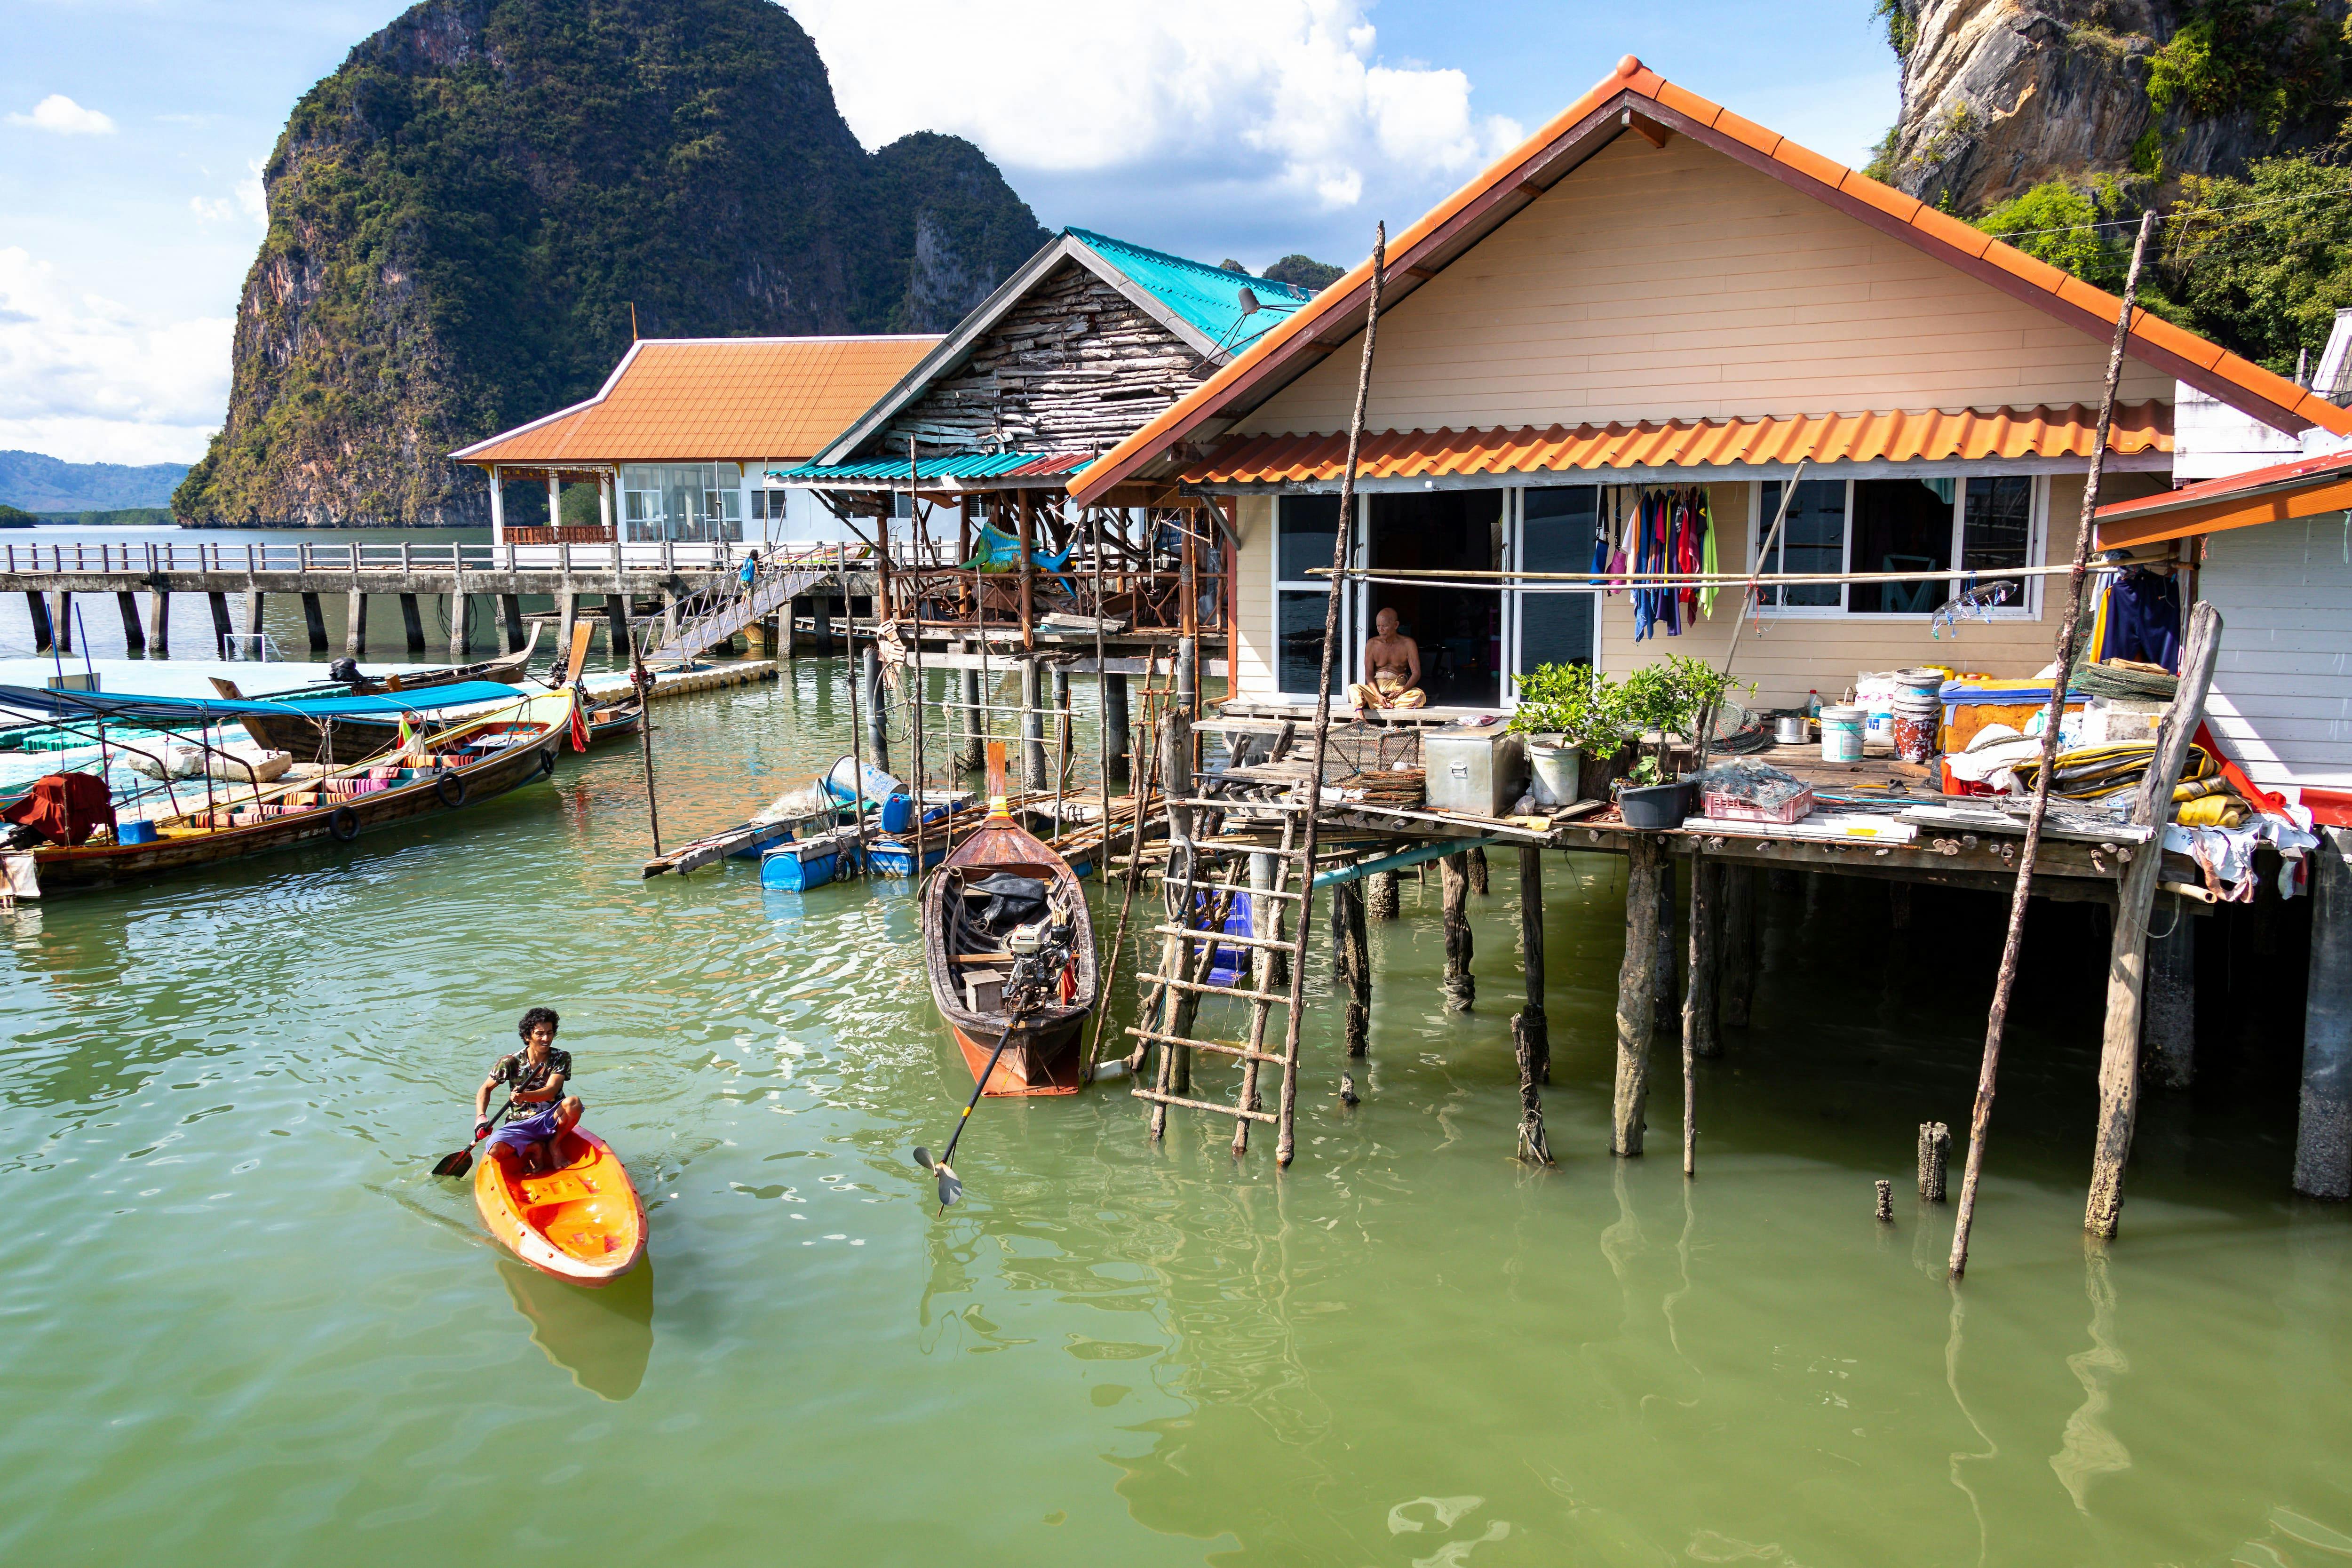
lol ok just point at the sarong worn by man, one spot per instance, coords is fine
(1392, 664)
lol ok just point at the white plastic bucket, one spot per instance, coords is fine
(1555, 768)
(1842, 733)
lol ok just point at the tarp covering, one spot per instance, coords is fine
(389, 705)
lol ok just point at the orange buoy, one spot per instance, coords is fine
(581, 1221)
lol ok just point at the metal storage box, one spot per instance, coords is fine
(1480, 770)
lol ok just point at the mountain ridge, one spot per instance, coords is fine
(470, 216)
(35, 482)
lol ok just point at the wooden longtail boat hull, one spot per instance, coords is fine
(582, 1222)
(61, 869)
(347, 741)
(1046, 1051)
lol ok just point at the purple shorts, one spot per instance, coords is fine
(521, 1131)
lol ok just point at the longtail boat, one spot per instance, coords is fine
(1003, 910)
(467, 763)
(581, 1221)
(321, 729)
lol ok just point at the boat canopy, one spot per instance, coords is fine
(185, 710)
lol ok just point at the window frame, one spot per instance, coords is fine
(1343, 670)
(2037, 542)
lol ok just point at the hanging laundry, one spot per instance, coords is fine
(1707, 562)
(2143, 619)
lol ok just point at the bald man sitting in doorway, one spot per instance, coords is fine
(1392, 665)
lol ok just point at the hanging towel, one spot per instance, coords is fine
(1707, 562)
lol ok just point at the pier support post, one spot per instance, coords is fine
(820, 626)
(1478, 883)
(411, 624)
(510, 606)
(1265, 920)
(1033, 725)
(2323, 1135)
(253, 620)
(134, 640)
(1739, 955)
(1935, 1152)
(567, 612)
(355, 624)
(314, 622)
(2167, 1030)
(1380, 896)
(616, 628)
(221, 624)
(1637, 993)
(1116, 727)
(976, 724)
(1664, 972)
(1531, 1029)
(61, 619)
(1461, 988)
(877, 717)
(1351, 963)
(37, 605)
(1703, 982)
(2128, 956)
(159, 622)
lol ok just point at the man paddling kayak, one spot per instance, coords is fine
(535, 1075)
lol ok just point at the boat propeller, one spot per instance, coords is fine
(950, 1185)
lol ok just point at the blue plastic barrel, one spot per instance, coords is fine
(891, 858)
(796, 867)
(134, 833)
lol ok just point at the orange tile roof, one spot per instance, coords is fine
(715, 400)
(1969, 435)
(1488, 200)
(2284, 492)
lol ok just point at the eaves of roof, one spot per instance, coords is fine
(1634, 98)
(2284, 492)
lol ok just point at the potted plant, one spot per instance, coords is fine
(1671, 702)
(1566, 711)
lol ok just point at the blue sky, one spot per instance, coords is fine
(133, 132)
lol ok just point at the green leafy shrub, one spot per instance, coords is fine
(1574, 701)
(2278, 58)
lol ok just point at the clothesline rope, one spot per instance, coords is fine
(1447, 577)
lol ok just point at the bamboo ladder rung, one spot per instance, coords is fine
(1271, 999)
(1222, 1048)
(1159, 1099)
(1221, 937)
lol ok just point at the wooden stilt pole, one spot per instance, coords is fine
(1739, 934)
(1461, 987)
(1698, 1002)
(1637, 993)
(1532, 1029)
(1352, 963)
(1935, 1150)
(2127, 958)
(2005, 979)
(1380, 897)
(1478, 872)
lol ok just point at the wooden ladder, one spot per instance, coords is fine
(1199, 886)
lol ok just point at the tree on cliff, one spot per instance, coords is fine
(462, 217)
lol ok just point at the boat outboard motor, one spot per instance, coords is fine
(346, 671)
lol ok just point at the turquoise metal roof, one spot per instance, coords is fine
(963, 466)
(1210, 298)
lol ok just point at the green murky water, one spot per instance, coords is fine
(240, 1324)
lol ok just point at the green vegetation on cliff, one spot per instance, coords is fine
(462, 217)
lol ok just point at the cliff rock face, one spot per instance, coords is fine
(462, 217)
(2002, 95)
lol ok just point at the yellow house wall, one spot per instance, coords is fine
(1677, 284)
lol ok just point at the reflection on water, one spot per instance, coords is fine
(603, 1337)
(221, 1345)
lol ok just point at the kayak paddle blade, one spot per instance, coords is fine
(951, 1187)
(455, 1164)
(922, 1157)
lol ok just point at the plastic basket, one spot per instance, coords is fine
(1731, 808)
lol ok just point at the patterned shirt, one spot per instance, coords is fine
(518, 1073)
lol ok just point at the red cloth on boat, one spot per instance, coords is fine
(65, 808)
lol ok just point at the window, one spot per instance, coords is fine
(1968, 528)
(1307, 528)
(1557, 524)
(695, 501)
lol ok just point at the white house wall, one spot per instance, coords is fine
(2282, 697)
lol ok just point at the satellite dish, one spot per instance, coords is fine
(1249, 302)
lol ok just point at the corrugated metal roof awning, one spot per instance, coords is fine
(1969, 435)
(978, 470)
(2308, 487)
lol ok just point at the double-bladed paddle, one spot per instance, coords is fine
(458, 1164)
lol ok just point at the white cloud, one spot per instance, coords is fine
(1281, 99)
(248, 200)
(89, 380)
(62, 115)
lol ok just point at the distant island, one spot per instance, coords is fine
(36, 483)
(12, 518)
